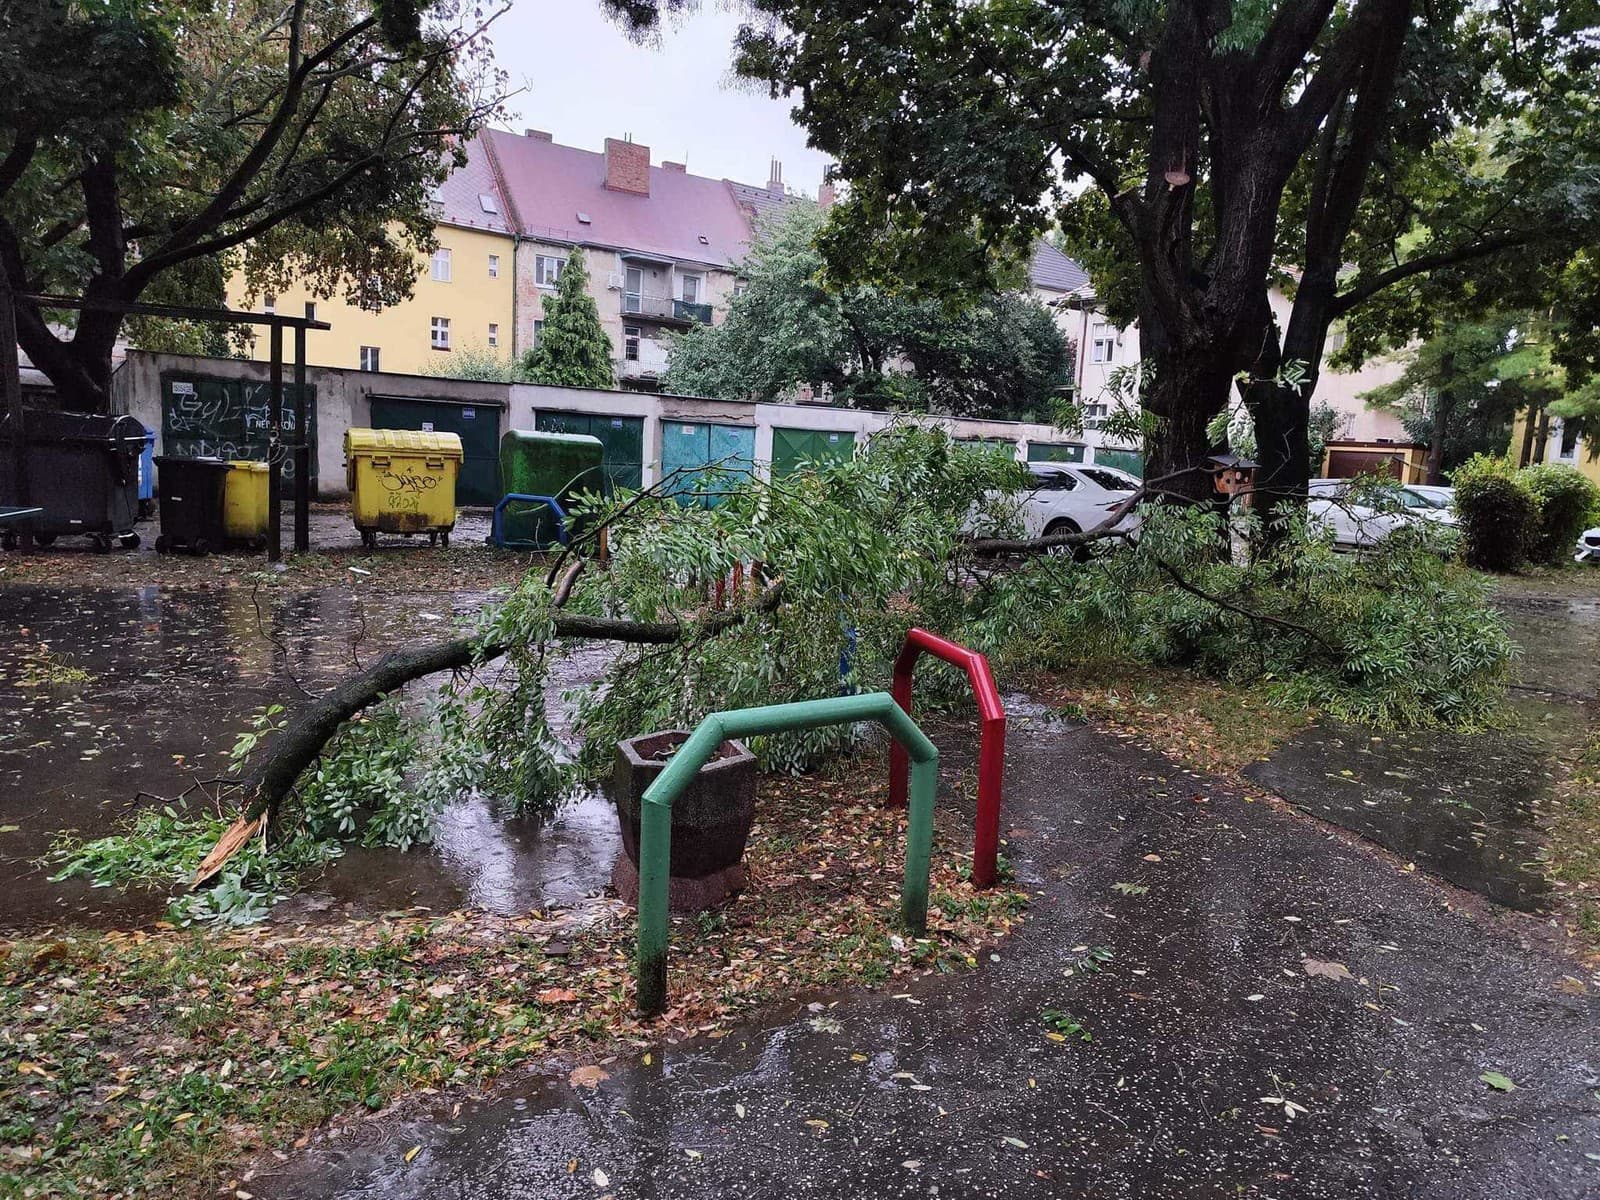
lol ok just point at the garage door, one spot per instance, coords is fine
(691, 447)
(1347, 464)
(1055, 452)
(622, 440)
(477, 425)
(1123, 460)
(794, 448)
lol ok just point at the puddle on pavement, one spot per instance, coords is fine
(174, 675)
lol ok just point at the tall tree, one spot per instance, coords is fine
(1461, 390)
(141, 138)
(1221, 142)
(999, 355)
(573, 349)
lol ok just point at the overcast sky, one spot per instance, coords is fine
(585, 81)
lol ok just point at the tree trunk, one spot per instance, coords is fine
(1444, 404)
(1186, 392)
(1542, 438)
(1525, 456)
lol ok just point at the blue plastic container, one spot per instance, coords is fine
(147, 473)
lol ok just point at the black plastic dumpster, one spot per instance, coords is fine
(82, 471)
(192, 492)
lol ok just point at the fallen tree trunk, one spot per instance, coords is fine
(298, 746)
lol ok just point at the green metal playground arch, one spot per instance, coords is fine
(655, 817)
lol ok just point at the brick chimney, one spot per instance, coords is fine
(538, 134)
(679, 168)
(775, 178)
(627, 167)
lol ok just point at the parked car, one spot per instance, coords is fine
(1442, 497)
(1360, 515)
(1588, 548)
(1073, 498)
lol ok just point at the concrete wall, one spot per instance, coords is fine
(343, 398)
(344, 401)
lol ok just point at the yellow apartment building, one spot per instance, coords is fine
(463, 297)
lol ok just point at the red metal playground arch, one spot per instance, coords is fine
(991, 747)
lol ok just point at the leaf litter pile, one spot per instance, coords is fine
(162, 1062)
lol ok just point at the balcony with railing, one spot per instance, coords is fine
(665, 308)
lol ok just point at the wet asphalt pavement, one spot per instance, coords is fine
(1205, 1009)
(953, 1087)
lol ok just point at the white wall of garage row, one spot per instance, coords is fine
(344, 400)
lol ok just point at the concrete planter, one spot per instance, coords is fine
(711, 819)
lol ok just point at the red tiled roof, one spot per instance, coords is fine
(547, 186)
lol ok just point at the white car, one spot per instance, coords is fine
(1358, 518)
(1588, 548)
(1073, 498)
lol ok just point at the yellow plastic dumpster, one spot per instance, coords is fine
(244, 503)
(402, 481)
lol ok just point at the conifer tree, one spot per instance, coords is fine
(573, 349)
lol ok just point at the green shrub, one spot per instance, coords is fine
(1394, 636)
(1498, 512)
(1566, 500)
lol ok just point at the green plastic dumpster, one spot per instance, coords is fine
(536, 463)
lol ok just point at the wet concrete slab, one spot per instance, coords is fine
(954, 1088)
(174, 675)
(1464, 806)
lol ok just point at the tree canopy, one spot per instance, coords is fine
(1226, 148)
(999, 355)
(141, 141)
(573, 349)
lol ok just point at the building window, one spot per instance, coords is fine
(1569, 440)
(441, 333)
(1104, 346)
(633, 290)
(269, 304)
(441, 265)
(494, 266)
(630, 343)
(691, 289)
(538, 331)
(494, 334)
(370, 296)
(369, 358)
(547, 269)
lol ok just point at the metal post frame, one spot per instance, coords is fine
(991, 747)
(275, 449)
(497, 527)
(302, 452)
(655, 817)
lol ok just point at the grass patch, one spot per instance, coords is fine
(1208, 725)
(161, 1063)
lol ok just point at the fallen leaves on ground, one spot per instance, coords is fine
(1325, 969)
(162, 1060)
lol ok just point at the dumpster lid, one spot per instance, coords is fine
(548, 438)
(401, 441)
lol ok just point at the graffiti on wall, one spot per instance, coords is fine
(203, 416)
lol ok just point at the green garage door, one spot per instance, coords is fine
(1055, 452)
(691, 447)
(478, 427)
(989, 444)
(621, 437)
(794, 448)
(1124, 460)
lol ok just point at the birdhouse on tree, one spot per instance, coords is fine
(1232, 474)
